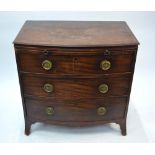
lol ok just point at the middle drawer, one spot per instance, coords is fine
(75, 88)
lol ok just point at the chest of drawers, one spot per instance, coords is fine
(75, 73)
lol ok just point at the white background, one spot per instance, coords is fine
(140, 124)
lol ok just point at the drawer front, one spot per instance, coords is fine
(76, 110)
(75, 64)
(75, 88)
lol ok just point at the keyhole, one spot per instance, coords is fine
(75, 59)
(75, 63)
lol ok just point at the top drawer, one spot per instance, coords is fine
(76, 61)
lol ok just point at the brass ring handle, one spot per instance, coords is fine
(45, 52)
(103, 88)
(47, 65)
(48, 88)
(106, 52)
(101, 111)
(49, 110)
(105, 65)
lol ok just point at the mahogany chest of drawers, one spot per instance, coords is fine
(75, 73)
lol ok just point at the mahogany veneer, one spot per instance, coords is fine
(75, 73)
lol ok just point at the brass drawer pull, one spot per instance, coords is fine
(101, 111)
(48, 88)
(105, 65)
(103, 88)
(49, 110)
(47, 65)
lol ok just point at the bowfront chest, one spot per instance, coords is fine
(75, 73)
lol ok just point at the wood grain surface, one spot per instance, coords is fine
(80, 110)
(76, 88)
(71, 63)
(75, 33)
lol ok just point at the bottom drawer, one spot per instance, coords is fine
(80, 110)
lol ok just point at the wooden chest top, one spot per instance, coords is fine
(76, 34)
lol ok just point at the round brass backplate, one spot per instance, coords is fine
(101, 111)
(103, 88)
(48, 88)
(47, 65)
(105, 65)
(49, 110)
